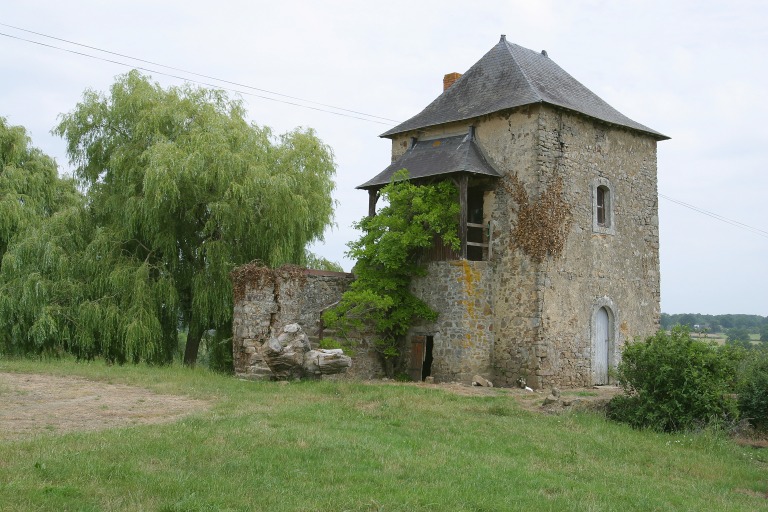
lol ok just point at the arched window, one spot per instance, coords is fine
(602, 207)
(603, 196)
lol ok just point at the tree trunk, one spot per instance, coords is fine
(193, 344)
(289, 356)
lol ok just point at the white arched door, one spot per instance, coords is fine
(600, 352)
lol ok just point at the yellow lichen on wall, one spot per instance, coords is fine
(624, 329)
(468, 279)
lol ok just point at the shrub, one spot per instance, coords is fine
(753, 390)
(674, 382)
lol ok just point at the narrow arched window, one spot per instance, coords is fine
(603, 195)
(602, 207)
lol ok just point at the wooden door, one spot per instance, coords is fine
(417, 358)
(601, 343)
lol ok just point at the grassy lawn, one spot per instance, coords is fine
(365, 447)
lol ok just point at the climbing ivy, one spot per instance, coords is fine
(387, 259)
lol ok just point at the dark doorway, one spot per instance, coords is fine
(426, 369)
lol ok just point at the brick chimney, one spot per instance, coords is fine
(449, 79)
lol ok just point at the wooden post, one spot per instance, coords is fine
(463, 180)
(373, 197)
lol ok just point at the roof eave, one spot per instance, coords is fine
(391, 134)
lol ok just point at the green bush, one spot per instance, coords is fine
(753, 390)
(674, 382)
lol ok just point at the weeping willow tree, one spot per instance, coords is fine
(179, 190)
(31, 195)
(30, 188)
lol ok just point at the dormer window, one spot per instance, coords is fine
(602, 207)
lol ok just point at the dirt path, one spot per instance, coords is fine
(32, 404)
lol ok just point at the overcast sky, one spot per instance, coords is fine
(693, 70)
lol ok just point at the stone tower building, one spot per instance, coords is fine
(559, 264)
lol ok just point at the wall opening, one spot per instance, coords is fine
(426, 368)
(603, 196)
(477, 243)
(420, 366)
(602, 207)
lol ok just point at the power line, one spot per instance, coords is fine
(367, 118)
(194, 73)
(754, 230)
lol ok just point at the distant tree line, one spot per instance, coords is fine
(736, 326)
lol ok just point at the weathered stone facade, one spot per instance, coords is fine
(542, 314)
(463, 335)
(268, 300)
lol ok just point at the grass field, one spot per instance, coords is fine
(317, 446)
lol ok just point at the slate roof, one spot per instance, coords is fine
(438, 156)
(510, 76)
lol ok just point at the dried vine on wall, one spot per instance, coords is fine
(542, 224)
(257, 275)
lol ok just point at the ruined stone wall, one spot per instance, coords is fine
(272, 299)
(252, 326)
(460, 291)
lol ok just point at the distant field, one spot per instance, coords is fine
(334, 446)
(720, 337)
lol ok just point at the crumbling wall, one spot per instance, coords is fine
(266, 300)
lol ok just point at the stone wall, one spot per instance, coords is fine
(460, 291)
(271, 299)
(616, 268)
(511, 143)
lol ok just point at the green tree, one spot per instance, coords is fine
(388, 257)
(30, 188)
(180, 189)
(688, 320)
(314, 261)
(32, 197)
(43, 292)
(753, 389)
(764, 332)
(738, 334)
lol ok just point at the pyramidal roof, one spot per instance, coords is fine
(510, 76)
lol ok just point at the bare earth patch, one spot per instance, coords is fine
(594, 398)
(32, 404)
